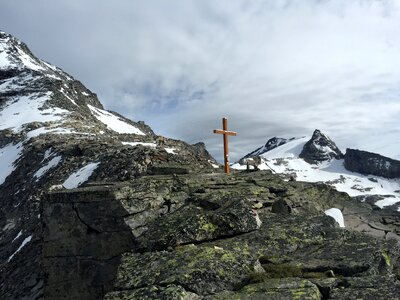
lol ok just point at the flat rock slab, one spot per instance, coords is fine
(367, 288)
(277, 289)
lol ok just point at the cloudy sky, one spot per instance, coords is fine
(274, 68)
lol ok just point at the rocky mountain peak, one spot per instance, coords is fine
(37, 98)
(320, 148)
(56, 135)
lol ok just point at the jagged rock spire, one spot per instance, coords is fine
(320, 148)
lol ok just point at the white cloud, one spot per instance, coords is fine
(273, 67)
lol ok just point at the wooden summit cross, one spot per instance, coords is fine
(225, 133)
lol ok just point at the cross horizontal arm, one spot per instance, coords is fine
(225, 132)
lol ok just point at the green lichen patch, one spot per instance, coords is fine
(170, 292)
(280, 289)
(194, 224)
(203, 269)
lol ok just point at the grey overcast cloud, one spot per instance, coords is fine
(274, 68)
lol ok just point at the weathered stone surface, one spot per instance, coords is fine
(279, 289)
(201, 269)
(193, 224)
(371, 164)
(171, 292)
(280, 206)
(84, 234)
(367, 288)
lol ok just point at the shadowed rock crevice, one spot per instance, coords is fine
(83, 243)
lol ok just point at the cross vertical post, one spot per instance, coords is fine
(225, 134)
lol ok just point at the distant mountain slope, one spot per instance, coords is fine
(317, 159)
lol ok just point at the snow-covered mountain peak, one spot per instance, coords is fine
(15, 55)
(318, 159)
(38, 98)
(320, 148)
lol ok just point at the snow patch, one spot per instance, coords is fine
(24, 242)
(28, 109)
(152, 145)
(4, 59)
(290, 149)
(68, 97)
(336, 213)
(171, 150)
(9, 154)
(113, 122)
(214, 165)
(28, 61)
(18, 235)
(47, 154)
(80, 176)
(56, 130)
(387, 202)
(43, 170)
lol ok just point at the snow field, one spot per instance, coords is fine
(285, 160)
(113, 122)
(27, 109)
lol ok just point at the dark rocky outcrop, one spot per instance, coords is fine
(320, 148)
(371, 164)
(201, 151)
(197, 237)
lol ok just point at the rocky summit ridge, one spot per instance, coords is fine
(55, 134)
(96, 206)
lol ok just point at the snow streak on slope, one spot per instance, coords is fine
(4, 59)
(43, 170)
(27, 61)
(133, 144)
(8, 156)
(113, 122)
(24, 242)
(80, 176)
(285, 160)
(27, 109)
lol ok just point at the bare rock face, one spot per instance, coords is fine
(201, 150)
(371, 163)
(196, 236)
(320, 148)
